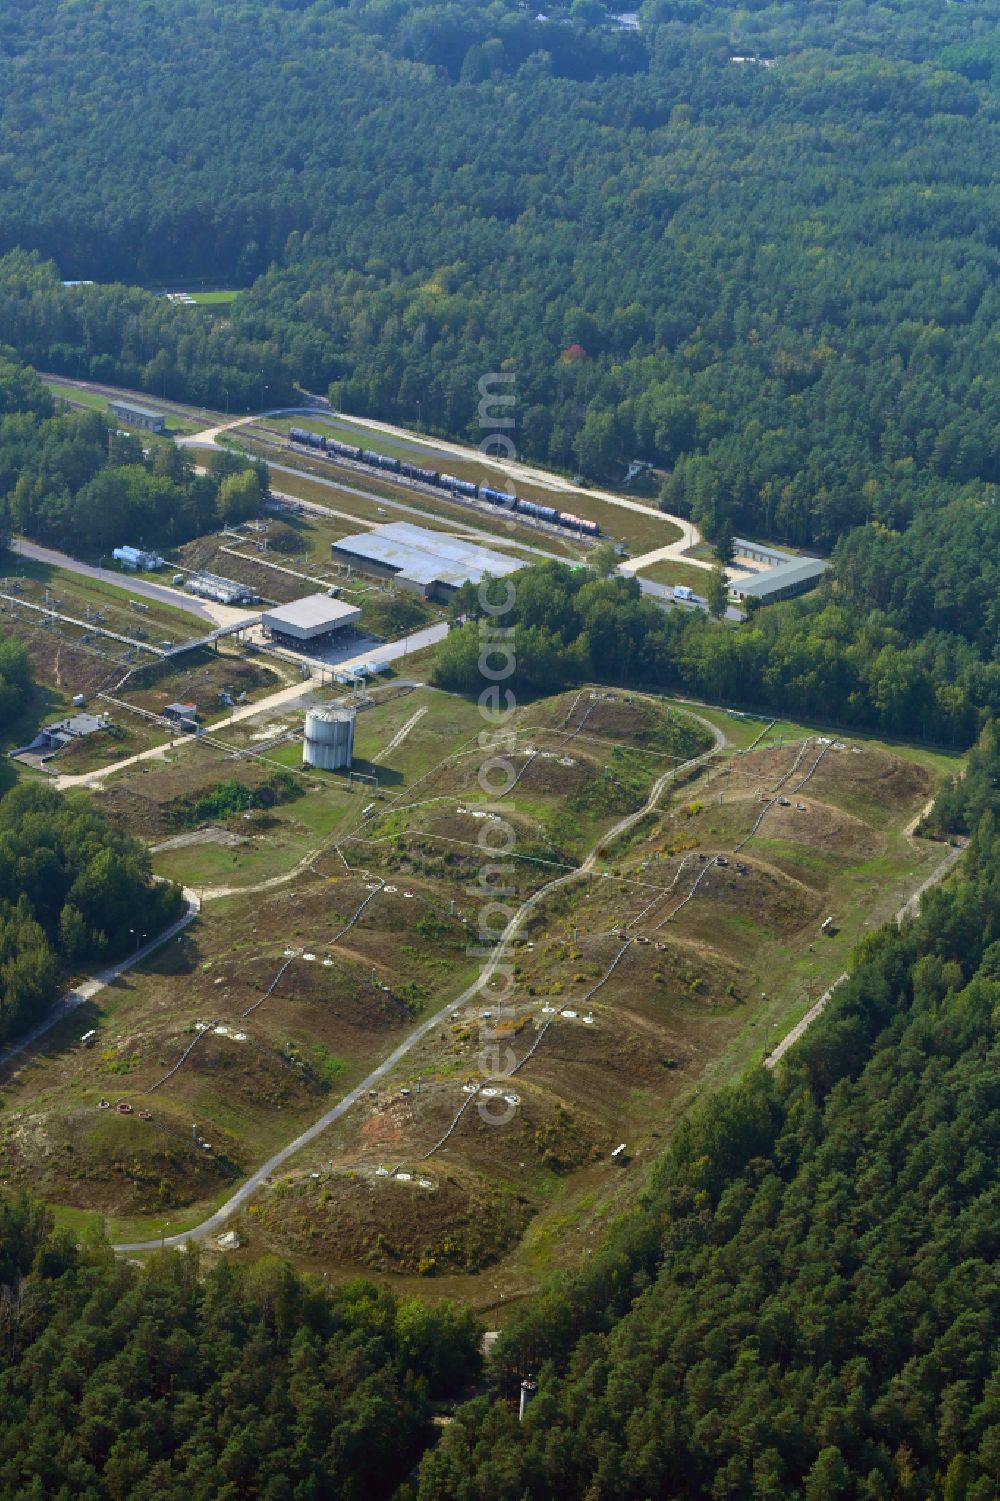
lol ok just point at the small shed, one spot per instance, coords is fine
(178, 712)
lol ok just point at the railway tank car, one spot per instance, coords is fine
(532, 508)
(458, 487)
(426, 476)
(498, 497)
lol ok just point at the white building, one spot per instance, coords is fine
(311, 619)
(137, 558)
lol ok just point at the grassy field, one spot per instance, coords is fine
(70, 659)
(640, 531)
(94, 401)
(698, 993)
(78, 396)
(214, 299)
(381, 501)
(677, 573)
(77, 591)
(386, 612)
(742, 963)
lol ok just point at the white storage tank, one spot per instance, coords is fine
(329, 738)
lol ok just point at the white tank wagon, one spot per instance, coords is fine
(329, 739)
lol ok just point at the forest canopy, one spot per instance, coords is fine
(904, 636)
(806, 1305)
(66, 479)
(796, 205)
(74, 887)
(175, 1382)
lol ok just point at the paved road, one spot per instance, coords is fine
(257, 1179)
(73, 999)
(282, 698)
(557, 483)
(163, 594)
(392, 651)
(908, 909)
(673, 552)
(544, 478)
(662, 593)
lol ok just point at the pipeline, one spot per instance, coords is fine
(270, 989)
(189, 1049)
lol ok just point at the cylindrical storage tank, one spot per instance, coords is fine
(329, 739)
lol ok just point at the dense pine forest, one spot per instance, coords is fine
(74, 888)
(757, 247)
(67, 479)
(776, 280)
(170, 1383)
(807, 1303)
(903, 636)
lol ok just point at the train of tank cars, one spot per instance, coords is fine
(460, 488)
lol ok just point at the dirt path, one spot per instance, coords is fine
(401, 735)
(918, 818)
(908, 909)
(258, 1178)
(72, 999)
(216, 893)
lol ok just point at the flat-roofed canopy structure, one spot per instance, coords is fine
(309, 618)
(433, 564)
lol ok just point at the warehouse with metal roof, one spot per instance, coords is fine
(793, 576)
(433, 564)
(135, 416)
(309, 619)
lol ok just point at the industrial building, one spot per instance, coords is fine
(222, 590)
(132, 416)
(137, 558)
(184, 716)
(309, 620)
(329, 738)
(791, 576)
(432, 564)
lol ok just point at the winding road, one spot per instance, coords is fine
(236, 1201)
